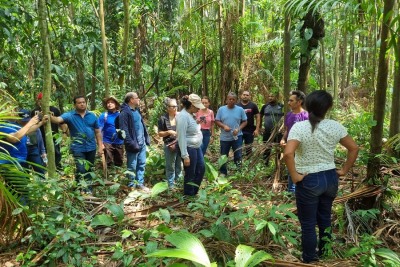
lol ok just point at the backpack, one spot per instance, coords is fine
(120, 133)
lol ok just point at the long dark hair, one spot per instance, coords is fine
(185, 102)
(317, 104)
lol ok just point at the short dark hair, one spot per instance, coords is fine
(77, 97)
(317, 104)
(299, 95)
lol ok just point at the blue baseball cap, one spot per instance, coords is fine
(25, 115)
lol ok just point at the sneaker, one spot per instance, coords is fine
(143, 188)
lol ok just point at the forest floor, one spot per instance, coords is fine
(251, 207)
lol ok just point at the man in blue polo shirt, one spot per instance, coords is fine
(84, 131)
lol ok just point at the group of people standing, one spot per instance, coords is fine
(308, 137)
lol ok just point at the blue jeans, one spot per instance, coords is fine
(314, 198)
(248, 139)
(136, 163)
(35, 157)
(173, 165)
(194, 172)
(206, 140)
(236, 146)
(82, 170)
(291, 186)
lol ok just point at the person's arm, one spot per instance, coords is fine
(258, 125)
(285, 136)
(352, 153)
(31, 126)
(181, 128)
(164, 132)
(99, 140)
(288, 157)
(54, 119)
(226, 128)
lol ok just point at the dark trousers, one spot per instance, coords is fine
(248, 139)
(84, 161)
(194, 172)
(314, 198)
(114, 154)
(276, 139)
(35, 158)
(236, 146)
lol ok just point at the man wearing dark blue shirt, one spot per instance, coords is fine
(136, 139)
(84, 131)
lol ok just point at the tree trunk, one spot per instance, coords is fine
(395, 113)
(304, 73)
(287, 51)
(78, 60)
(42, 14)
(380, 96)
(104, 49)
(323, 66)
(350, 65)
(94, 80)
(124, 51)
(336, 67)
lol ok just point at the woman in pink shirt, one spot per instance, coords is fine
(205, 117)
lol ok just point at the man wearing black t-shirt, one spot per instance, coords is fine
(54, 127)
(252, 129)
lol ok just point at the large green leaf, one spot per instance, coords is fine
(159, 188)
(244, 258)
(188, 246)
(116, 210)
(102, 220)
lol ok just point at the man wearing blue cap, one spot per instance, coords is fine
(13, 149)
(37, 156)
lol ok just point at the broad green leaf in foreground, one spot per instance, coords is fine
(244, 258)
(188, 247)
(159, 188)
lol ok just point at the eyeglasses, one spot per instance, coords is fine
(173, 106)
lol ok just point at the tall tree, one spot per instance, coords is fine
(380, 95)
(45, 45)
(104, 48)
(395, 112)
(125, 40)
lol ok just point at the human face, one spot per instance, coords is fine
(245, 96)
(172, 107)
(135, 100)
(205, 102)
(231, 101)
(272, 98)
(80, 104)
(293, 102)
(111, 105)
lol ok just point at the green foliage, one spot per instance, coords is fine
(370, 255)
(188, 247)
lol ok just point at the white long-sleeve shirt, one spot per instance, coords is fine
(188, 131)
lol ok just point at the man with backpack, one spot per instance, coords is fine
(272, 113)
(112, 141)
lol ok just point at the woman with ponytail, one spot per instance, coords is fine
(309, 156)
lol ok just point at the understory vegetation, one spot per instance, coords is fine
(244, 219)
